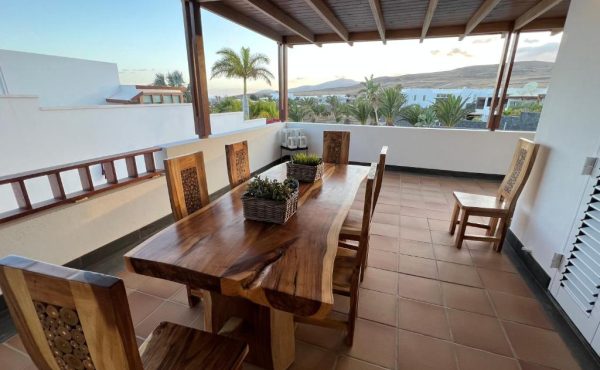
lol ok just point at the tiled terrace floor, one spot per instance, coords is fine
(423, 304)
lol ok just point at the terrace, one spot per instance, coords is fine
(424, 304)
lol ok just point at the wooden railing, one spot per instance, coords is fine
(88, 188)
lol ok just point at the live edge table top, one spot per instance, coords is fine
(287, 267)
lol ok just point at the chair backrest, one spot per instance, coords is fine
(238, 163)
(520, 168)
(69, 319)
(380, 172)
(186, 180)
(336, 146)
(368, 206)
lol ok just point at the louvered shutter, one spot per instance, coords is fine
(581, 276)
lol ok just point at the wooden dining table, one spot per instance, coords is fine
(258, 272)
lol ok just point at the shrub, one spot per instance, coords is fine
(451, 110)
(361, 110)
(412, 113)
(271, 189)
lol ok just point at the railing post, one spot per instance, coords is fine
(56, 185)
(283, 81)
(21, 196)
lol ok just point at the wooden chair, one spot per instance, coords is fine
(499, 208)
(188, 192)
(71, 319)
(238, 163)
(336, 146)
(348, 268)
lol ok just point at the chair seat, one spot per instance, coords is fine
(352, 224)
(344, 269)
(172, 346)
(479, 202)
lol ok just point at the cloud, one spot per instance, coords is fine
(457, 51)
(531, 41)
(545, 53)
(482, 41)
(434, 52)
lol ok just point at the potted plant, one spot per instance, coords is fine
(305, 167)
(270, 200)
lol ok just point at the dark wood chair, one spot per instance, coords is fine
(352, 227)
(188, 192)
(72, 319)
(347, 267)
(238, 163)
(499, 208)
(336, 146)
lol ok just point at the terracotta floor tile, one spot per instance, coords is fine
(388, 208)
(383, 243)
(349, 363)
(415, 248)
(332, 339)
(529, 366)
(16, 343)
(309, 357)
(11, 359)
(159, 287)
(458, 274)
(374, 343)
(442, 237)
(168, 311)
(478, 246)
(478, 331)
(467, 298)
(414, 222)
(420, 289)
(416, 352)
(438, 225)
(180, 296)
(141, 305)
(413, 212)
(377, 306)
(505, 282)
(392, 231)
(417, 266)
(341, 303)
(131, 280)
(492, 260)
(382, 260)
(421, 235)
(539, 346)
(520, 309)
(380, 280)
(386, 218)
(474, 359)
(438, 215)
(423, 318)
(449, 253)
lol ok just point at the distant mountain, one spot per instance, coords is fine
(482, 76)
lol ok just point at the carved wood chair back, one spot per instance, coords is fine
(336, 146)
(186, 180)
(69, 319)
(518, 173)
(238, 163)
(380, 172)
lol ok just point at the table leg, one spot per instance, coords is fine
(268, 332)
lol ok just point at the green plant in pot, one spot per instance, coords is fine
(270, 200)
(305, 167)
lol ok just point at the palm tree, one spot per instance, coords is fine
(243, 65)
(412, 113)
(392, 100)
(298, 110)
(370, 91)
(175, 79)
(451, 110)
(361, 110)
(334, 107)
(159, 80)
(427, 118)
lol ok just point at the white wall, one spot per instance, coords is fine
(568, 132)
(233, 121)
(476, 151)
(58, 81)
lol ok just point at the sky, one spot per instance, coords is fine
(147, 37)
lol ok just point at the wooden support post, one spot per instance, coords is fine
(197, 66)
(499, 79)
(504, 93)
(283, 82)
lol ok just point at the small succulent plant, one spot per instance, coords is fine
(307, 159)
(272, 189)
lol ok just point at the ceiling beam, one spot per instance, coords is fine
(378, 15)
(542, 24)
(533, 13)
(428, 17)
(329, 17)
(275, 13)
(479, 16)
(227, 12)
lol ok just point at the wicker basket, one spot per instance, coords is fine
(305, 173)
(266, 210)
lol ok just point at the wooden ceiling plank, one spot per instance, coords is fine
(428, 17)
(378, 15)
(533, 13)
(483, 11)
(321, 8)
(235, 16)
(275, 13)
